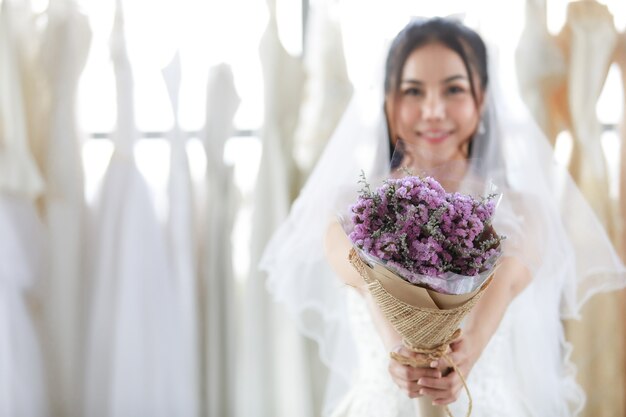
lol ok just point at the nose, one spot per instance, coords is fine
(433, 107)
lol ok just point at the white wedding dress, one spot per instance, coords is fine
(525, 369)
(22, 252)
(591, 37)
(64, 51)
(540, 85)
(182, 248)
(263, 322)
(327, 89)
(219, 209)
(493, 389)
(134, 349)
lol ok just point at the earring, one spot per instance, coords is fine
(481, 127)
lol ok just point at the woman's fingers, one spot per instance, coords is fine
(406, 377)
(415, 389)
(449, 382)
(438, 397)
(439, 381)
(443, 390)
(410, 373)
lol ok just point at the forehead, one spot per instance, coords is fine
(433, 61)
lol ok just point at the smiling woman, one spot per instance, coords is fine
(444, 113)
(436, 109)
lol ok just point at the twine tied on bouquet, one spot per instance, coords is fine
(425, 327)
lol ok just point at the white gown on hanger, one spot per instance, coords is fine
(272, 389)
(538, 84)
(182, 249)
(134, 356)
(327, 89)
(592, 38)
(64, 53)
(221, 203)
(18, 170)
(22, 256)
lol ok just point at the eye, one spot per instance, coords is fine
(412, 91)
(455, 89)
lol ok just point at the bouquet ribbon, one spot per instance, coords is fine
(427, 321)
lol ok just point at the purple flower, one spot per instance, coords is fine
(413, 224)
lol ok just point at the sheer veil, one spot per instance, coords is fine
(548, 224)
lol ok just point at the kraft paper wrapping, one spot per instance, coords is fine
(427, 321)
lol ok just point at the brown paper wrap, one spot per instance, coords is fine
(427, 321)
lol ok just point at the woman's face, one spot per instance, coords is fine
(436, 114)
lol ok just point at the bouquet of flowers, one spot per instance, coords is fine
(426, 255)
(443, 241)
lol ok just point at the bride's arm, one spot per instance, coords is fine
(337, 247)
(510, 279)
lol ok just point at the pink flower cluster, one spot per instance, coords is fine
(413, 225)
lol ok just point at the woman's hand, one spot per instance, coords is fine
(511, 278)
(406, 376)
(445, 390)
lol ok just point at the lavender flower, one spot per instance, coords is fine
(412, 224)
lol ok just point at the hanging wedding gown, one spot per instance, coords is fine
(183, 249)
(562, 96)
(327, 90)
(64, 53)
(542, 87)
(18, 170)
(326, 94)
(221, 205)
(22, 253)
(134, 357)
(274, 360)
(590, 38)
(28, 36)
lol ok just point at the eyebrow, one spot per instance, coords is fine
(445, 81)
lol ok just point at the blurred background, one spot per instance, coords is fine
(148, 150)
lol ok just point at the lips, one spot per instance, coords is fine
(435, 136)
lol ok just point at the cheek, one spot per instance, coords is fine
(407, 115)
(467, 116)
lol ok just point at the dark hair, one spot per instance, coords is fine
(454, 35)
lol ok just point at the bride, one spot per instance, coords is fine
(442, 110)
